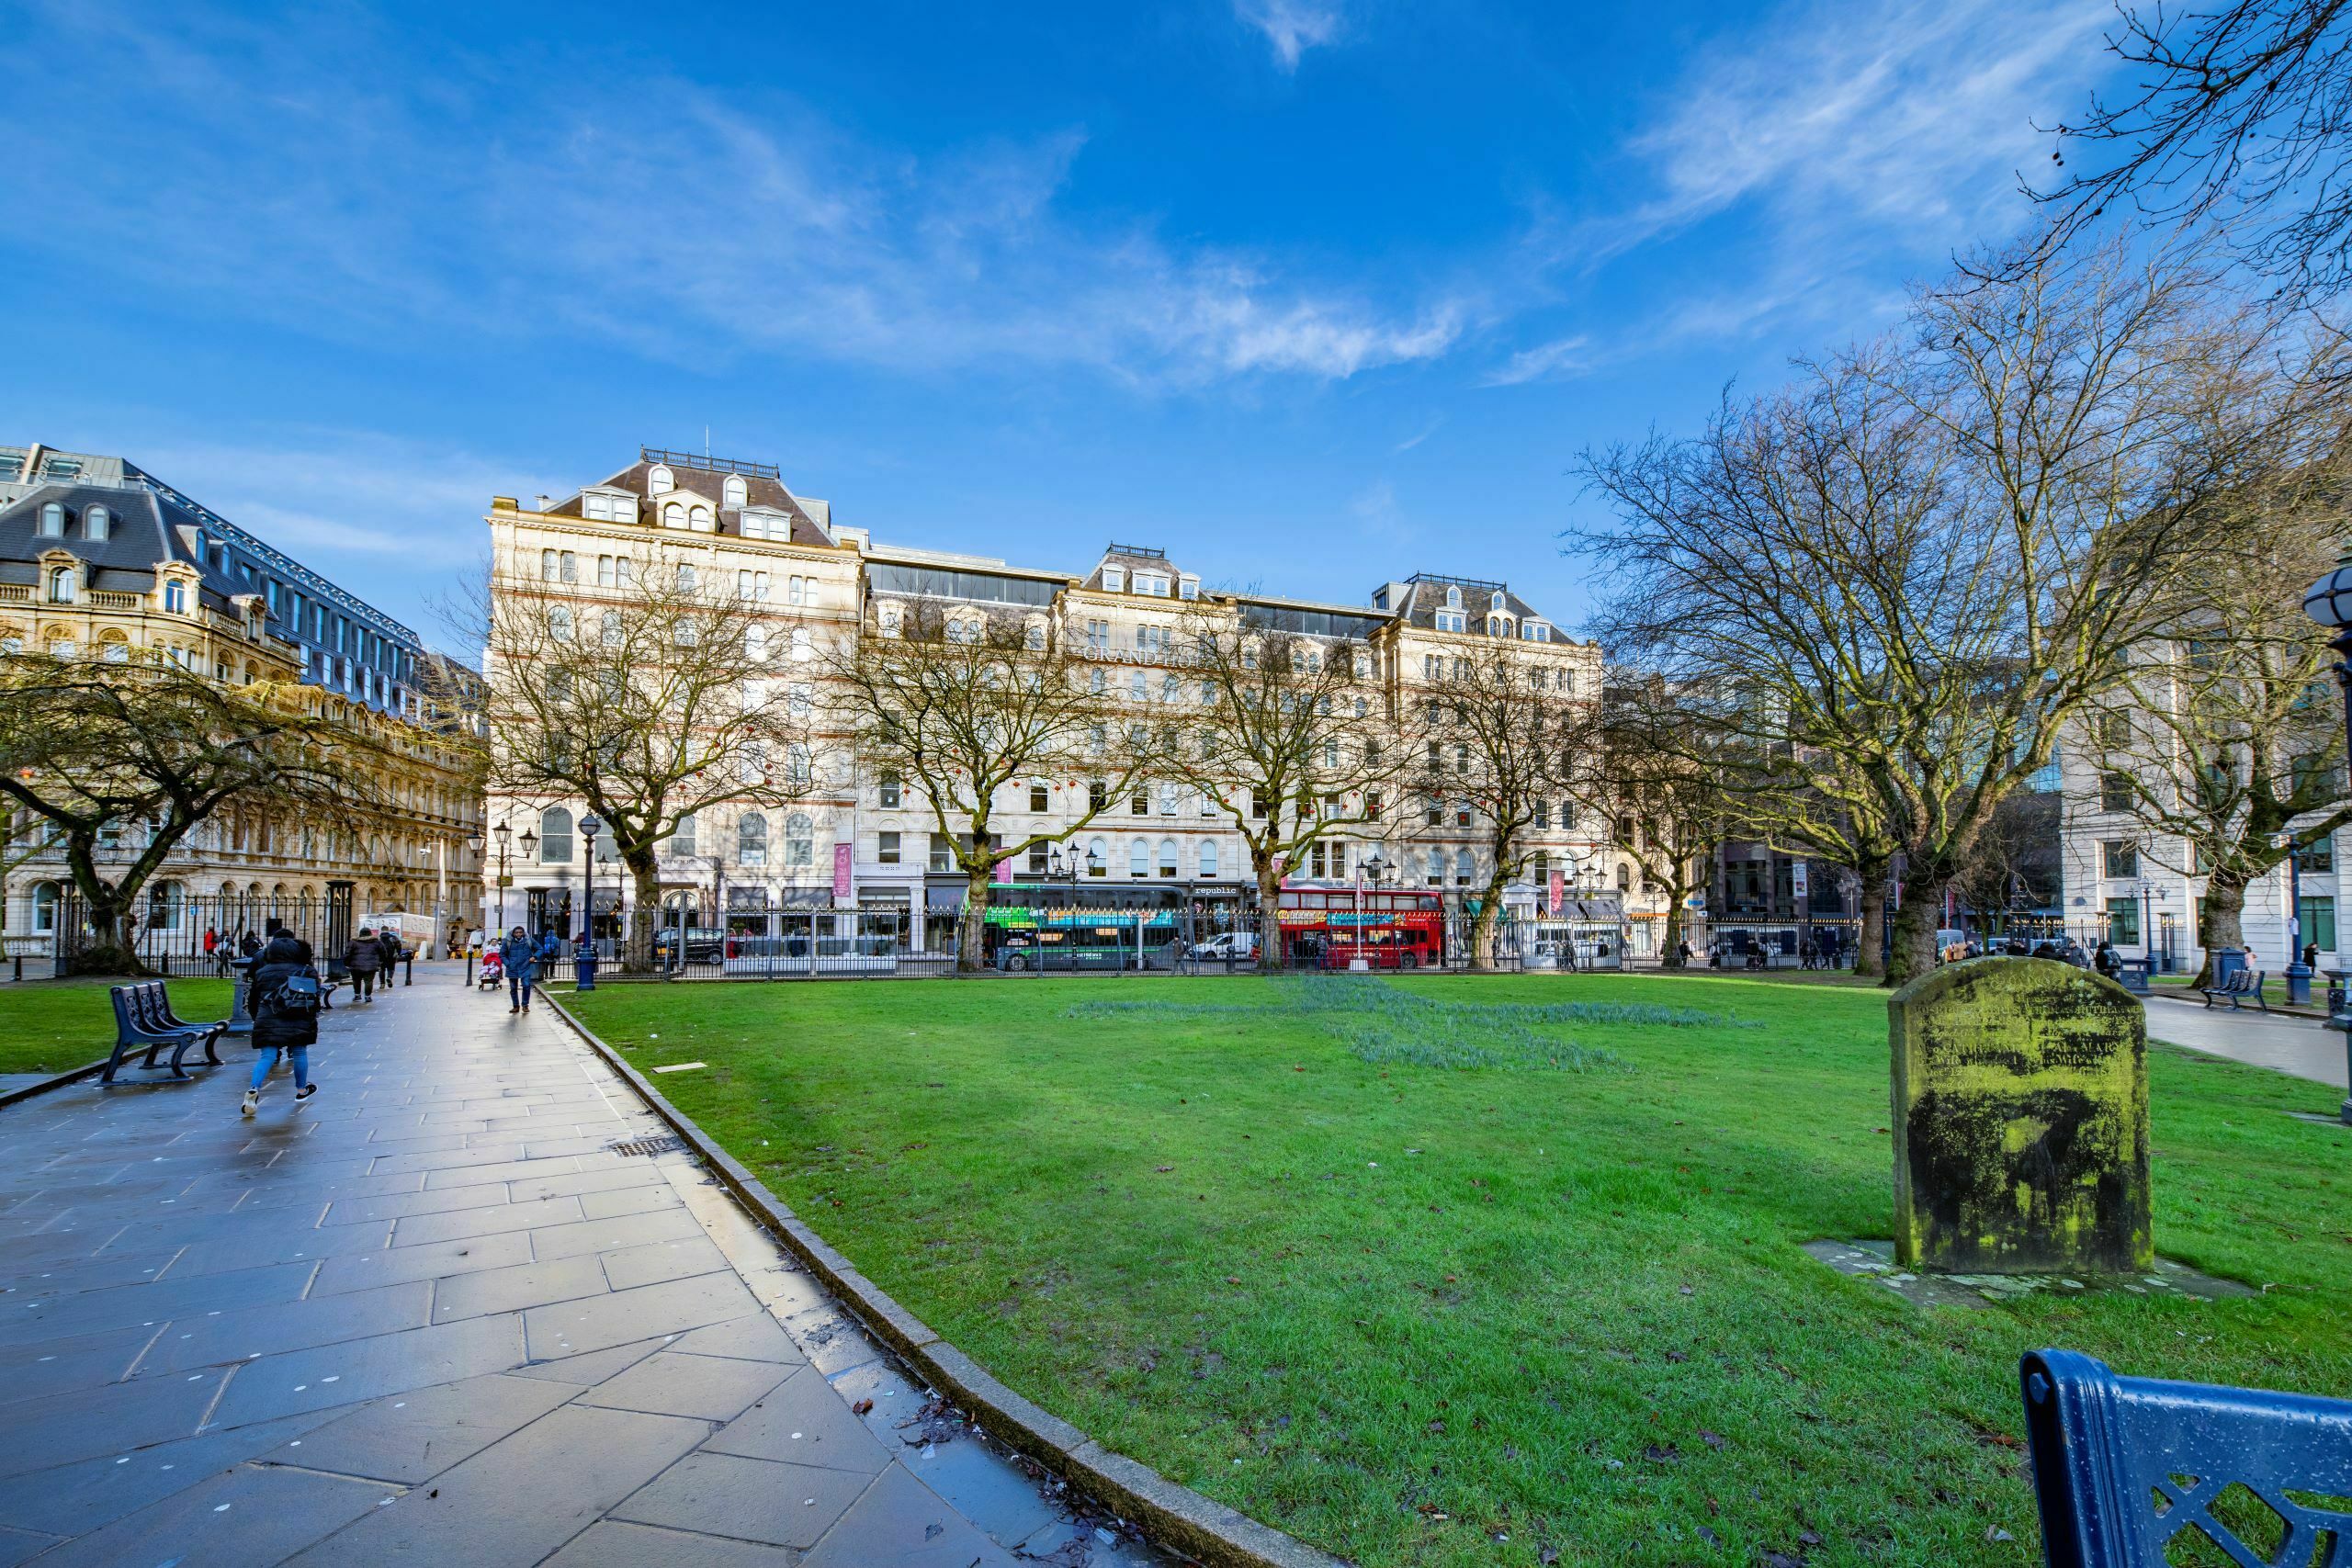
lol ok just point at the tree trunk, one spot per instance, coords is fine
(971, 927)
(2220, 921)
(645, 878)
(1272, 954)
(1872, 939)
(1672, 957)
(1482, 929)
(111, 949)
(1914, 932)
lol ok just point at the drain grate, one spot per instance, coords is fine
(669, 1143)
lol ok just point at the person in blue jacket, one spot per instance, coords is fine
(520, 959)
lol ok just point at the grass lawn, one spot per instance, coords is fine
(1404, 1276)
(54, 1026)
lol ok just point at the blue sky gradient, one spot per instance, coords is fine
(1312, 292)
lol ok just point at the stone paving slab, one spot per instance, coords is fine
(430, 1315)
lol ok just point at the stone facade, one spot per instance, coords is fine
(851, 844)
(100, 559)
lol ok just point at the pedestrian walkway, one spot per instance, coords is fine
(436, 1315)
(2303, 1047)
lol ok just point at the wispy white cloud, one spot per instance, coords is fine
(649, 209)
(1848, 140)
(1291, 27)
(1546, 361)
(1420, 436)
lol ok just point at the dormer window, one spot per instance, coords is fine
(1152, 582)
(52, 521)
(673, 515)
(737, 493)
(603, 506)
(1495, 600)
(1188, 587)
(699, 519)
(1451, 620)
(1114, 580)
(1453, 598)
(63, 582)
(660, 482)
(1534, 631)
(1498, 626)
(175, 597)
(95, 523)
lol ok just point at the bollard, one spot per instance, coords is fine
(584, 967)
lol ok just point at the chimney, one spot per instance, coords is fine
(543, 502)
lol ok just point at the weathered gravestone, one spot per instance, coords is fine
(2020, 1121)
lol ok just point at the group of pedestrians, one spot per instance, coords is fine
(369, 953)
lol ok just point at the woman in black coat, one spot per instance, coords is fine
(286, 1016)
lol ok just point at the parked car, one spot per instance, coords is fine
(1226, 947)
(701, 946)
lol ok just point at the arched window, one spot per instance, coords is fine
(166, 903)
(1624, 877)
(660, 482)
(1208, 857)
(1495, 600)
(114, 648)
(175, 597)
(1453, 598)
(62, 585)
(699, 517)
(63, 646)
(555, 836)
(1167, 857)
(737, 493)
(96, 521)
(673, 515)
(799, 841)
(1139, 859)
(1098, 859)
(52, 521)
(752, 838)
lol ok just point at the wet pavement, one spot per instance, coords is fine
(2303, 1047)
(435, 1314)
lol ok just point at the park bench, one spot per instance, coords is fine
(2122, 1467)
(2237, 990)
(144, 1020)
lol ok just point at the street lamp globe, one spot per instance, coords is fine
(502, 830)
(2329, 601)
(530, 842)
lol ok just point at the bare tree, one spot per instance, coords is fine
(2013, 860)
(2239, 112)
(650, 699)
(96, 756)
(1289, 734)
(2224, 742)
(1499, 735)
(957, 703)
(1678, 777)
(1922, 559)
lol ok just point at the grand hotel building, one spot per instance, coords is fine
(859, 841)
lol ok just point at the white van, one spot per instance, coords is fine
(1226, 947)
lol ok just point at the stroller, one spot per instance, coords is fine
(493, 972)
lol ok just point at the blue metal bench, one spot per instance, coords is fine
(143, 1022)
(2121, 1466)
(2238, 988)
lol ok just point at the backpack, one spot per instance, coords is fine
(296, 996)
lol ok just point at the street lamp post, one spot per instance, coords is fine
(583, 962)
(2329, 602)
(2298, 973)
(474, 842)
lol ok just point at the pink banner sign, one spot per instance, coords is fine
(1559, 893)
(1004, 871)
(840, 873)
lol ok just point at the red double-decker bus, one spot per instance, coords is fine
(1387, 929)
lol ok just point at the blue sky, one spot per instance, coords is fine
(1313, 293)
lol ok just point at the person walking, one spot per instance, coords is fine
(520, 960)
(286, 997)
(248, 945)
(363, 955)
(388, 941)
